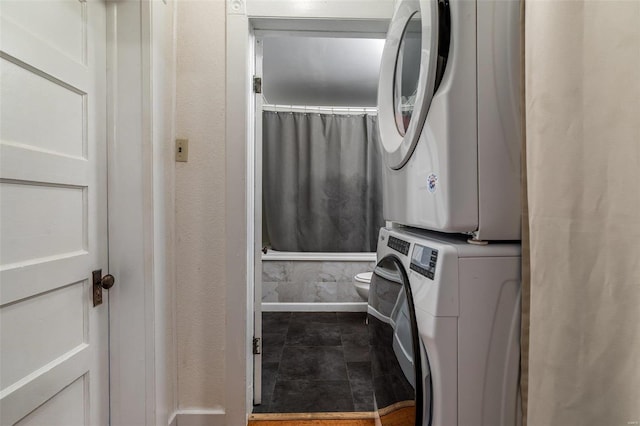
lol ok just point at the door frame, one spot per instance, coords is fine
(243, 18)
(254, 188)
(137, 310)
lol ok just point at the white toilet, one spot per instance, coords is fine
(361, 282)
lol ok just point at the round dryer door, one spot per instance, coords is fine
(399, 362)
(407, 78)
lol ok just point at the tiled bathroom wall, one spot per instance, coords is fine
(296, 281)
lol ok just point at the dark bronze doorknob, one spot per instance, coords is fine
(99, 283)
(107, 281)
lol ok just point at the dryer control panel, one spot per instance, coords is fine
(424, 260)
(399, 245)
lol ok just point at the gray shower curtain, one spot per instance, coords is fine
(322, 189)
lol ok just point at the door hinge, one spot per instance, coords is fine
(257, 84)
(256, 346)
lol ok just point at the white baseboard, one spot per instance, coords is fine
(215, 417)
(173, 419)
(314, 307)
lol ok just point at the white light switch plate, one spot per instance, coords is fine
(182, 150)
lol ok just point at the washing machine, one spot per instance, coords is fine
(449, 100)
(444, 326)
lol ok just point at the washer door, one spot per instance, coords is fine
(399, 363)
(407, 78)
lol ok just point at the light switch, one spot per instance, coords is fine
(182, 150)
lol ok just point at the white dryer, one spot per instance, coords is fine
(444, 326)
(449, 115)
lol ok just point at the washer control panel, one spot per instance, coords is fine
(424, 260)
(399, 245)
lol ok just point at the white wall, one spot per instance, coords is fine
(211, 241)
(200, 206)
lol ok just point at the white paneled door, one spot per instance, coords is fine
(53, 213)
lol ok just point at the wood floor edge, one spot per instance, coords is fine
(395, 407)
(361, 415)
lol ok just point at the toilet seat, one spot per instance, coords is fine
(364, 277)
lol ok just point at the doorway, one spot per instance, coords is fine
(313, 339)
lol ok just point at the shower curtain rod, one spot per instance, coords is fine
(320, 109)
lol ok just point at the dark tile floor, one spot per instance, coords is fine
(315, 362)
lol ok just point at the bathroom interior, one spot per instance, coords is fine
(321, 212)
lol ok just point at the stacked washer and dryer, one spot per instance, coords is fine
(444, 300)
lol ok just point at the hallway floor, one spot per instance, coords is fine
(332, 422)
(316, 422)
(315, 362)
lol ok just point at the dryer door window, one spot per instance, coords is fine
(399, 363)
(407, 77)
